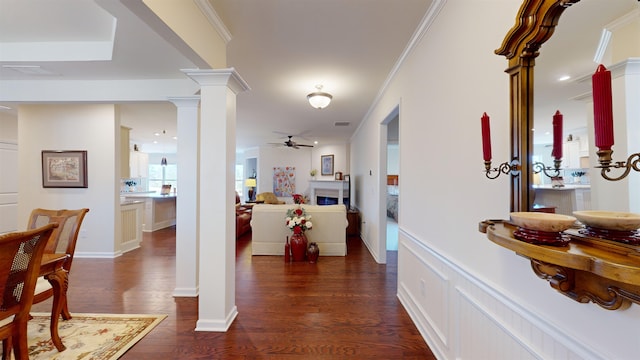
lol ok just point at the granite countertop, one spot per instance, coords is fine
(566, 187)
(153, 195)
(130, 202)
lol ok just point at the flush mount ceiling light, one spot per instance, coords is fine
(319, 99)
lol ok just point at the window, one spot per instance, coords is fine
(239, 175)
(159, 175)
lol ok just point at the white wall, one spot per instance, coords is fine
(303, 159)
(341, 160)
(469, 297)
(94, 128)
(393, 163)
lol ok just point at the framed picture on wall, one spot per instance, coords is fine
(326, 162)
(64, 169)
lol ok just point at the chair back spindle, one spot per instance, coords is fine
(20, 259)
(65, 237)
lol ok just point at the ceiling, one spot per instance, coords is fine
(283, 49)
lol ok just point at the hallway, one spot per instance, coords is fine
(341, 307)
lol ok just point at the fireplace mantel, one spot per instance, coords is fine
(339, 186)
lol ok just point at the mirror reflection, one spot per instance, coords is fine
(563, 83)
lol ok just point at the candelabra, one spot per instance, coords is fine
(606, 164)
(550, 172)
(512, 168)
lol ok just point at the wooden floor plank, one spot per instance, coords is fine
(340, 307)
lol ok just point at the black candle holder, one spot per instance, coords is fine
(606, 164)
(551, 172)
(512, 168)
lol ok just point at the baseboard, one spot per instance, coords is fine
(217, 325)
(185, 292)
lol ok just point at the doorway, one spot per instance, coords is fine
(389, 183)
(392, 184)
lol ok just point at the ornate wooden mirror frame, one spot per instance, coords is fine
(603, 272)
(535, 23)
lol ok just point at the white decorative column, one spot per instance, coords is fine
(187, 204)
(216, 227)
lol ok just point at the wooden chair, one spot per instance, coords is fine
(20, 259)
(62, 241)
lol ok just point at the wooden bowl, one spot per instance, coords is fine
(609, 220)
(545, 222)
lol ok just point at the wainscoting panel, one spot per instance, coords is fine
(461, 317)
(131, 218)
(432, 297)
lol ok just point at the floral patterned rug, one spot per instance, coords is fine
(89, 336)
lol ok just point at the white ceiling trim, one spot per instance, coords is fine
(212, 16)
(95, 90)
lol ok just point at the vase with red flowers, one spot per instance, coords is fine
(299, 199)
(298, 221)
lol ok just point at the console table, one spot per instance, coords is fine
(340, 186)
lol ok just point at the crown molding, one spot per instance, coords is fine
(212, 16)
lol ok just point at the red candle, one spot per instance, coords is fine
(557, 136)
(486, 137)
(602, 108)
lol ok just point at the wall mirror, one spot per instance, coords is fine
(567, 35)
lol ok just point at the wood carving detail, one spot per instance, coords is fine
(535, 23)
(585, 287)
(587, 270)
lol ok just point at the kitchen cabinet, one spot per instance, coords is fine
(159, 210)
(138, 164)
(571, 155)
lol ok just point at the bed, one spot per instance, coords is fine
(392, 196)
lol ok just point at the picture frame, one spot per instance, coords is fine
(64, 169)
(326, 164)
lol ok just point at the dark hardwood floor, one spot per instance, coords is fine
(340, 307)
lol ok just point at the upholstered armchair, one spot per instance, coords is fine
(243, 218)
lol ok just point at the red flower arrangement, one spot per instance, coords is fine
(298, 221)
(299, 199)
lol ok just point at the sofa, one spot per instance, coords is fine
(243, 218)
(269, 231)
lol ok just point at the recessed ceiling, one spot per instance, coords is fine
(283, 49)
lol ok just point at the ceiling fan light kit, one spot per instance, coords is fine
(319, 99)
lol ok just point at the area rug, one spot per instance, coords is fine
(89, 336)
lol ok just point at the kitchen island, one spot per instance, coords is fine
(131, 215)
(565, 199)
(159, 210)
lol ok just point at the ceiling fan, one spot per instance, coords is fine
(292, 144)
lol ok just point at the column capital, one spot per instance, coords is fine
(185, 101)
(218, 77)
(626, 67)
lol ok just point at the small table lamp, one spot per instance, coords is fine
(251, 184)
